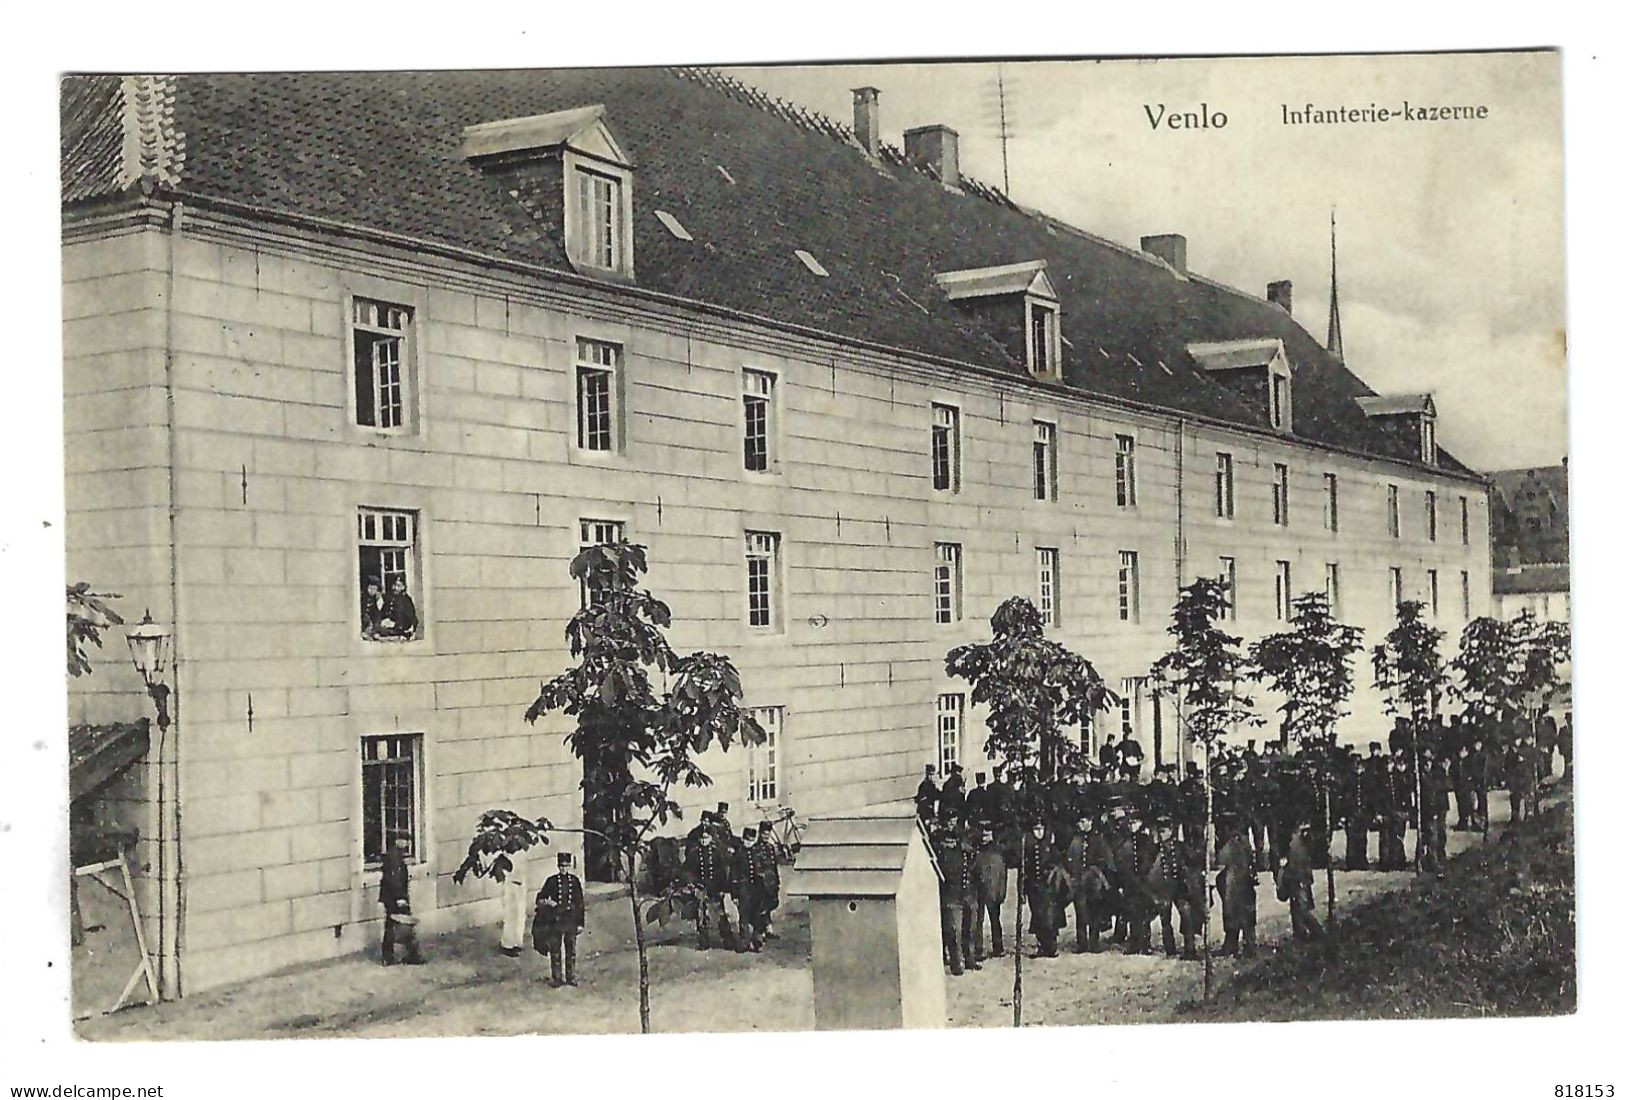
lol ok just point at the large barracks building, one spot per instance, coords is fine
(434, 332)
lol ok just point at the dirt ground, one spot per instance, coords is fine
(467, 987)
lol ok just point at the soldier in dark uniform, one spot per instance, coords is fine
(1546, 742)
(398, 618)
(708, 871)
(1088, 858)
(1109, 755)
(1047, 918)
(1402, 782)
(1193, 809)
(561, 914)
(746, 875)
(1381, 789)
(951, 891)
(1238, 890)
(1523, 773)
(952, 798)
(1354, 810)
(1479, 767)
(767, 860)
(1002, 799)
(1565, 746)
(1461, 782)
(991, 881)
(979, 802)
(400, 926)
(1134, 857)
(1130, 759)
(1435, 815)
(1297, 887)
(926, 795)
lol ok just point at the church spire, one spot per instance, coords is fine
(1334, 324)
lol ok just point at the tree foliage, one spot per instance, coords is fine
(1407, 667)
(499, 836)
(1206, 667)
(1034, 689)
(1312, 666)
(88, 616)
(1506, 666)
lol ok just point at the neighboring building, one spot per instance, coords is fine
(1529, 520)
(445, 328)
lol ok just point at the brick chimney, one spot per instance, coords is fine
(935, 147)
(866, 118)
(1280, 293)
(1167, 247)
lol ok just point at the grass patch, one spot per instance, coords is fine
(1493, 936)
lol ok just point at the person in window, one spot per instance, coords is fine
(1130, 759)
(398, 618)
(372, 607)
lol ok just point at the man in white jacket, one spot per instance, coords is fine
(515, 906)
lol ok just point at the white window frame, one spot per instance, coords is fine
(1128, 586)
(762, 782)
(1396, 586)
(947, 583)
(380, 527)
(1433, 593)
(1279, 495)
(1329, 517)
(1046, 476)
(950, 730)
(603, 239)
(1334, 590)
(1049, 584)
(418, 773)
(945, 441)
(1283, 591)
(759, 387)
(1043, 344)
(614, 372)
(1393, 511)
(1430, 445)
(1128, 493)
(1130, 707)
(768, 547)
(1229, 578)
(1224, 485)
(597, 532)
(377, 322)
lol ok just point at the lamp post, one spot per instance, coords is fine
(151, 652)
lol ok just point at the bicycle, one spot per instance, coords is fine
(785, 831)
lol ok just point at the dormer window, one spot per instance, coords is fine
(1018, 305)
(1413, 417)
(569, 173)
(1257, 369)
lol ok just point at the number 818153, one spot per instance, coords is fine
(1583, 1092)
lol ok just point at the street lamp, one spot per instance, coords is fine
(150, 650)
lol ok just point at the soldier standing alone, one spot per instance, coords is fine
(561, 914)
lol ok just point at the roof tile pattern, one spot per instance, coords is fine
(753, 181)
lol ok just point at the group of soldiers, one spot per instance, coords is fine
(720, 868)
(1119, 854)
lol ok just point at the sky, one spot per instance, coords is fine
(1449, 234)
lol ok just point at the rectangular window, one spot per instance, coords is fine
(1049, 585)
(1334, 590)
(601, 220)
(1130, 696)
(380, 332)
(950, 728)
(1393, 511)
(945, 448)
(1396, 586)
(599, 532)
(1466, 536)
(1044, 473)
(391, 793)
(387, 568)
(1329, 511)
(1043, 340)
(758, 398)
(1278, 494)
(1432, 500)
(1128, 586)
(763, 584)
(1433, 592)
(597, 367)
(1430, 450)
(1227, 578)
(762, 761)
(1283, 591)
(947, 579)
(1466, 597)
(1280, 395)
(1127, 493)
(1224, 487)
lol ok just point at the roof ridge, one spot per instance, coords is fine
(816, 122)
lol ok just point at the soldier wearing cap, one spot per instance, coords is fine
(927, 794)
(1038, 851)
(992, 880)
(951, 799)
(400, 926)
(561, 914)
(1090, 865)
(767, 856)
(1461, 782)
(1354, 810)
(952, 891)
(1296, 886)
(1238, 890)
(746, 876)
(1130, 758)
(707, 866)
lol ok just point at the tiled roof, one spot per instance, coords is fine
(752, 180)
(99, 754)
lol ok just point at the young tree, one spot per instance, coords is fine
(1410, 674)
(88, 615)
(635, 745)
(1034, 689)
(1312, 666)
(1203, 672)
